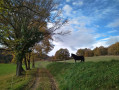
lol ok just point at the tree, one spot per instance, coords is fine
(85, 52)
(33, 59)
(44, 47)
(98, 51)
(113, 49)
(80, 52)
(103, 50)
(5, 56)
(89, 53)
(62, 54)
(23, 23)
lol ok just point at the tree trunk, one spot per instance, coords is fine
(25, 63)
(19, 68)
(29, 61)
(28, 64)
(33, 63)
(19, 58)
(22, 69)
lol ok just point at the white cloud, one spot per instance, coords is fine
(67, 0)
(80, 37)
(67, 9)
(78, 3)
(106, 41)
(99, 43)
(102, 13)
(112, 40)
(115, 23)
(49, 25)
(113, 31)
(81, 21)
(58, 46)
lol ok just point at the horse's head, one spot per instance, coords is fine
(72, 54)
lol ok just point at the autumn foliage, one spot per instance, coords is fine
(62, 54)
(114, 49)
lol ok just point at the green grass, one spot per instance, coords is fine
(86, 76)
(42, 64)
(11, 82)
(91, 75)
(95, 59)
(6, 69)
(8, 80)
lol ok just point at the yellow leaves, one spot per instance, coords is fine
(80, 52)
(1, 3)
(114, 49)
(41, 26)
(62, 54)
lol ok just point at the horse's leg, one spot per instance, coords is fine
(82, 60)
(75, 61)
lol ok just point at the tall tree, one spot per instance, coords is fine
(113, 49)
(62, 54)
(44, 47)
(89, 53)
(98, 51)
(103, 50)
(23, 23)
(80, 52)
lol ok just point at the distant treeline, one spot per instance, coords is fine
(63, 54)
(5, 56)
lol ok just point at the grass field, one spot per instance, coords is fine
(91, 75)
(86, 76)
(7, 69)
(8, 80)
(95, 59)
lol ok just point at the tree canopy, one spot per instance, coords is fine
(23, 23)
(62, 54)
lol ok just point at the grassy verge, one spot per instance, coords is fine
(86, 76)
(42, 64)
(8, 80)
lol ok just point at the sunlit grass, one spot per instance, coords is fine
(95, 59)
(42, 64)
(86, 76)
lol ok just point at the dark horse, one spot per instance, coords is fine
(78, 57)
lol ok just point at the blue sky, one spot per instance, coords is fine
(92, 23)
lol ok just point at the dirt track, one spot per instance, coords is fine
(44, 81)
